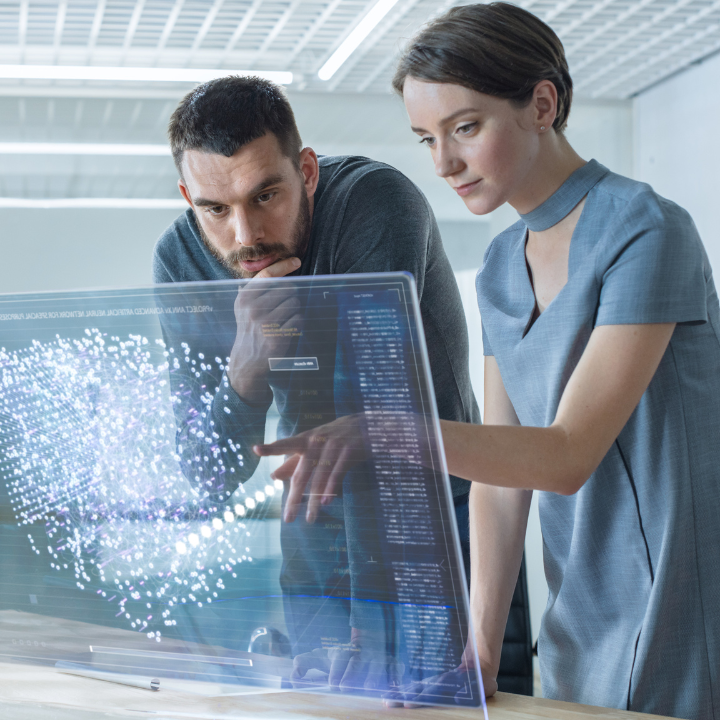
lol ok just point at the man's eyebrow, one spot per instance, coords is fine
(263, 185)
(272, 180)
(449, 118)
(205, 202)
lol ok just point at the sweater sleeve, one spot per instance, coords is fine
(386, 227)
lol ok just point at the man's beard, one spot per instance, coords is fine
(296, 248)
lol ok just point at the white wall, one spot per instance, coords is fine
(677, 149)
(68, 249)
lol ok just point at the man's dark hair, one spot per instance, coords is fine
(222, 115)
(497, 49)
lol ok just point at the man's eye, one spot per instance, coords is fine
(429, 141)
(216, 209)
(265, 197)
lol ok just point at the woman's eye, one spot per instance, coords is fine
(466, 129)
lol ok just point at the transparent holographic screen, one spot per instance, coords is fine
(137, 535)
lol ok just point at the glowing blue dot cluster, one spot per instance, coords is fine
(88, 434)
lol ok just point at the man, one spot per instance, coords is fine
(263, 206)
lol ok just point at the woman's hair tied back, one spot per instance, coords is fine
(497, 49)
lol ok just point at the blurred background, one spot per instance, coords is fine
(86, 89)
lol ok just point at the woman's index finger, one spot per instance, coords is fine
(286, 446)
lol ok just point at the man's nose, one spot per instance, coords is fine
(248, 231)
(446, 161)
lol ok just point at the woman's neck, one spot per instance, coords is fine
(553, 165)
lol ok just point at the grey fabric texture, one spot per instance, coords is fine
(368, 217)
(633, 559)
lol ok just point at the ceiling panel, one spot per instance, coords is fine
(616, 48)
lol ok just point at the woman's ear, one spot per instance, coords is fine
(544, 103)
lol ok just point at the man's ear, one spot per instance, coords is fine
(184, 192)
(310, 170)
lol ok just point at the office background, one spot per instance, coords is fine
(76, 215)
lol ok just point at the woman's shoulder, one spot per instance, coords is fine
(626, 201)
(650, 263)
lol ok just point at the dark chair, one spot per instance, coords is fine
(516, 668)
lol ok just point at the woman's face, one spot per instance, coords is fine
(484, 146)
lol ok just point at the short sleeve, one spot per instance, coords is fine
(658, 276)
(487, 350)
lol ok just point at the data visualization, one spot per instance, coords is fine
(235, 483)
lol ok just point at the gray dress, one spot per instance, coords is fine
(633, 559)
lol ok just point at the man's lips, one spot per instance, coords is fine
(258, 265)
(467, 188)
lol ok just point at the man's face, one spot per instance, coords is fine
(254, 208)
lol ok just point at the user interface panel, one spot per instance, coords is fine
(141, 532)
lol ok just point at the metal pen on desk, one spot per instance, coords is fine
(83, 671)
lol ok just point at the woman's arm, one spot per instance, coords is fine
(613, 373)
(498, 520)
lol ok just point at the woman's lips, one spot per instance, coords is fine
(255, 266)
(468, 188)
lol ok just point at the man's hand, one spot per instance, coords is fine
(268, 322)
(320, 457)
(363, 665)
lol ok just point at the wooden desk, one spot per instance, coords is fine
(42, 693)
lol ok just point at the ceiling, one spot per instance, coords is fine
(616, 48)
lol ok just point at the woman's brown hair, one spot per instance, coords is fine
(497, 49)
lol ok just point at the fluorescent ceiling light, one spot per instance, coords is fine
(132, 74)
(39, 148)
(353, 40)
(89, 203)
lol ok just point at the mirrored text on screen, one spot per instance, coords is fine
(140, 533)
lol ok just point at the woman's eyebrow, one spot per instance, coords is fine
(449, 118)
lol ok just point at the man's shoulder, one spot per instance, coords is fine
(343, 176)
(353, 168)
(180, 255)
(177, 233)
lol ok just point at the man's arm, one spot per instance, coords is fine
(215, 428)
(220, 404)
(389, 226)
(386, 227)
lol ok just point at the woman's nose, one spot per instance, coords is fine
(446, 162)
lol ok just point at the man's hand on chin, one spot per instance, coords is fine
(268, 322)
(281, 268)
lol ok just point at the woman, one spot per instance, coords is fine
(602, 379)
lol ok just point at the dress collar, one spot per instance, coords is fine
(565, 198)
